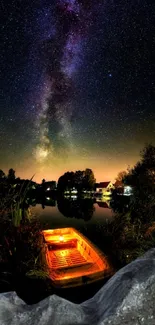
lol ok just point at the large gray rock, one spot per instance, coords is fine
(126, 299)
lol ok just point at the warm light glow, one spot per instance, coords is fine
(61, 238)
(111, 168)
(71, 257)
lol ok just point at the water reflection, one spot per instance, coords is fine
(67, 212)
(47, 201)
(89, 216)
(104, 204)
(80, 208)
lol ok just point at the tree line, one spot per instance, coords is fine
(10, 176)
(79, 180)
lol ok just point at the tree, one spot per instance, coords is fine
(11, 175)
(2, 174)
(80, 180)
(3, 187)
(142, 180)
(66, 182)
(89, 179)
(119, 181)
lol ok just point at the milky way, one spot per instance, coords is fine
(77, 85)
(62, 54)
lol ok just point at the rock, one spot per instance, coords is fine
(126, 299)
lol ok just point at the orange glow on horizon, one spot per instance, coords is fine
(101, 174)
(105, 168)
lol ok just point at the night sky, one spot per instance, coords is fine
(77, 85)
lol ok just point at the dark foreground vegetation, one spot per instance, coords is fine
(129, 235)
(21, 242)
(133, 229)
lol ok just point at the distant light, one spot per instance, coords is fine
(61, 238)
(48, 198)
(110, 75)
(74, 197)
(48, 189)
(127, 190)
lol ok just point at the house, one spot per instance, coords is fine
(48, 186)
(104, 188)
(128, 190)
(124, 190)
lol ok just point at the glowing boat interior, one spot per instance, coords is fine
(72, 259)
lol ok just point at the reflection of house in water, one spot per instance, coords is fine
(50, 202)
(47, 201)
(105, 205)
(104, 188)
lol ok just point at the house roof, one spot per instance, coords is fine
(103, 184)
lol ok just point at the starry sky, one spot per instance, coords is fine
(77, 85)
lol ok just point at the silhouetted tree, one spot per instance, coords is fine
(11, 175)
(80, 180)
(119, 181)
(66, 182)
(2, 174)
(89, 179)
(3, 184)
(142, 180)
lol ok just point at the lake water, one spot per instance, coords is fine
(84, 215)
(74, 213)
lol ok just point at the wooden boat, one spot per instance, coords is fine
(72, 259)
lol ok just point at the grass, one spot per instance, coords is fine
(21, 242)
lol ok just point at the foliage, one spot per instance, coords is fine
(37, 273)
(133, 229)
(20, 234)
(11, 175)
(2, 175)
(21, 247)
(80, 180)
(19, 204)
(130, 239)
(119, 181)
(89, 179)
(142, 180)
(14, 201)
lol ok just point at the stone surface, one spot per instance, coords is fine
(126, 299)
